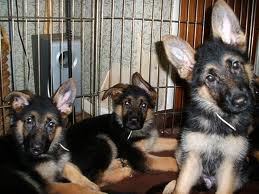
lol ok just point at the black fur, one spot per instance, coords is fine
(17, 176)
(87, 140)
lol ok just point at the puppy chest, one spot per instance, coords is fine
(232, 147)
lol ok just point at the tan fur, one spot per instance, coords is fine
(50, 116)
(115, 91)
(119, 173)
(203, 92)
(73, 174)
(112, 176)
(230, 83)
(231, 146)
(225, 178)
(18, 104)
(163, 164)
(250, 129)
(149, 114)
(47, 170)
(19, 132)
(161, 144)
(116, 163)
(190, 173)
(116, 172)
(256, 155)
(137, 80)
(248, 69)
(70, 188)
(169, 188)
(119, 113)
(37, 116)
(56, 133)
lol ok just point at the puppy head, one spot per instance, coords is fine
(218, 71)
(133, 104)
(39, 120)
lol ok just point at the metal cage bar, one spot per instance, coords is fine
(116, 38)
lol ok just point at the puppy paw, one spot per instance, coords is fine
(169, 188)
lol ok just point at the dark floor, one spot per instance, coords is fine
(154, 184)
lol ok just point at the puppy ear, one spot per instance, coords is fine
(138, 80)
(65, 96)
(225, 25)
(180, 54)
(18, 99)
(115, 91)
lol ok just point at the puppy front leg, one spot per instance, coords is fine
(162, 164)
(190, 172)
(225, 178)
(113, 176)
(74, 175)
(161, 144)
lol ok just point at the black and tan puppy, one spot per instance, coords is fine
(32, 156)
(214, 142)
(95, 142)
(39, 127)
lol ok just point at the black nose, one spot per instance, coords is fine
(36, 149)
(240, 101)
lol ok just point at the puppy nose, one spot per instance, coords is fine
(36, 148)
(240, 100)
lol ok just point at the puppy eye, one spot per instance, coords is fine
(51, 124)
(143, 105)
(211, 78)
(127, 103)
(29, 120)
(236, 65)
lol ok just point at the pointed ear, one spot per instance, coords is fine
(115, 91)
(65, 96)
(180, 54)
(138, 80)
(18, 99)
(225, 25)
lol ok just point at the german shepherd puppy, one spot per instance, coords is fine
(214, 142)
(34, 155)
(35, 152)
(39, 128)
(95, 142)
